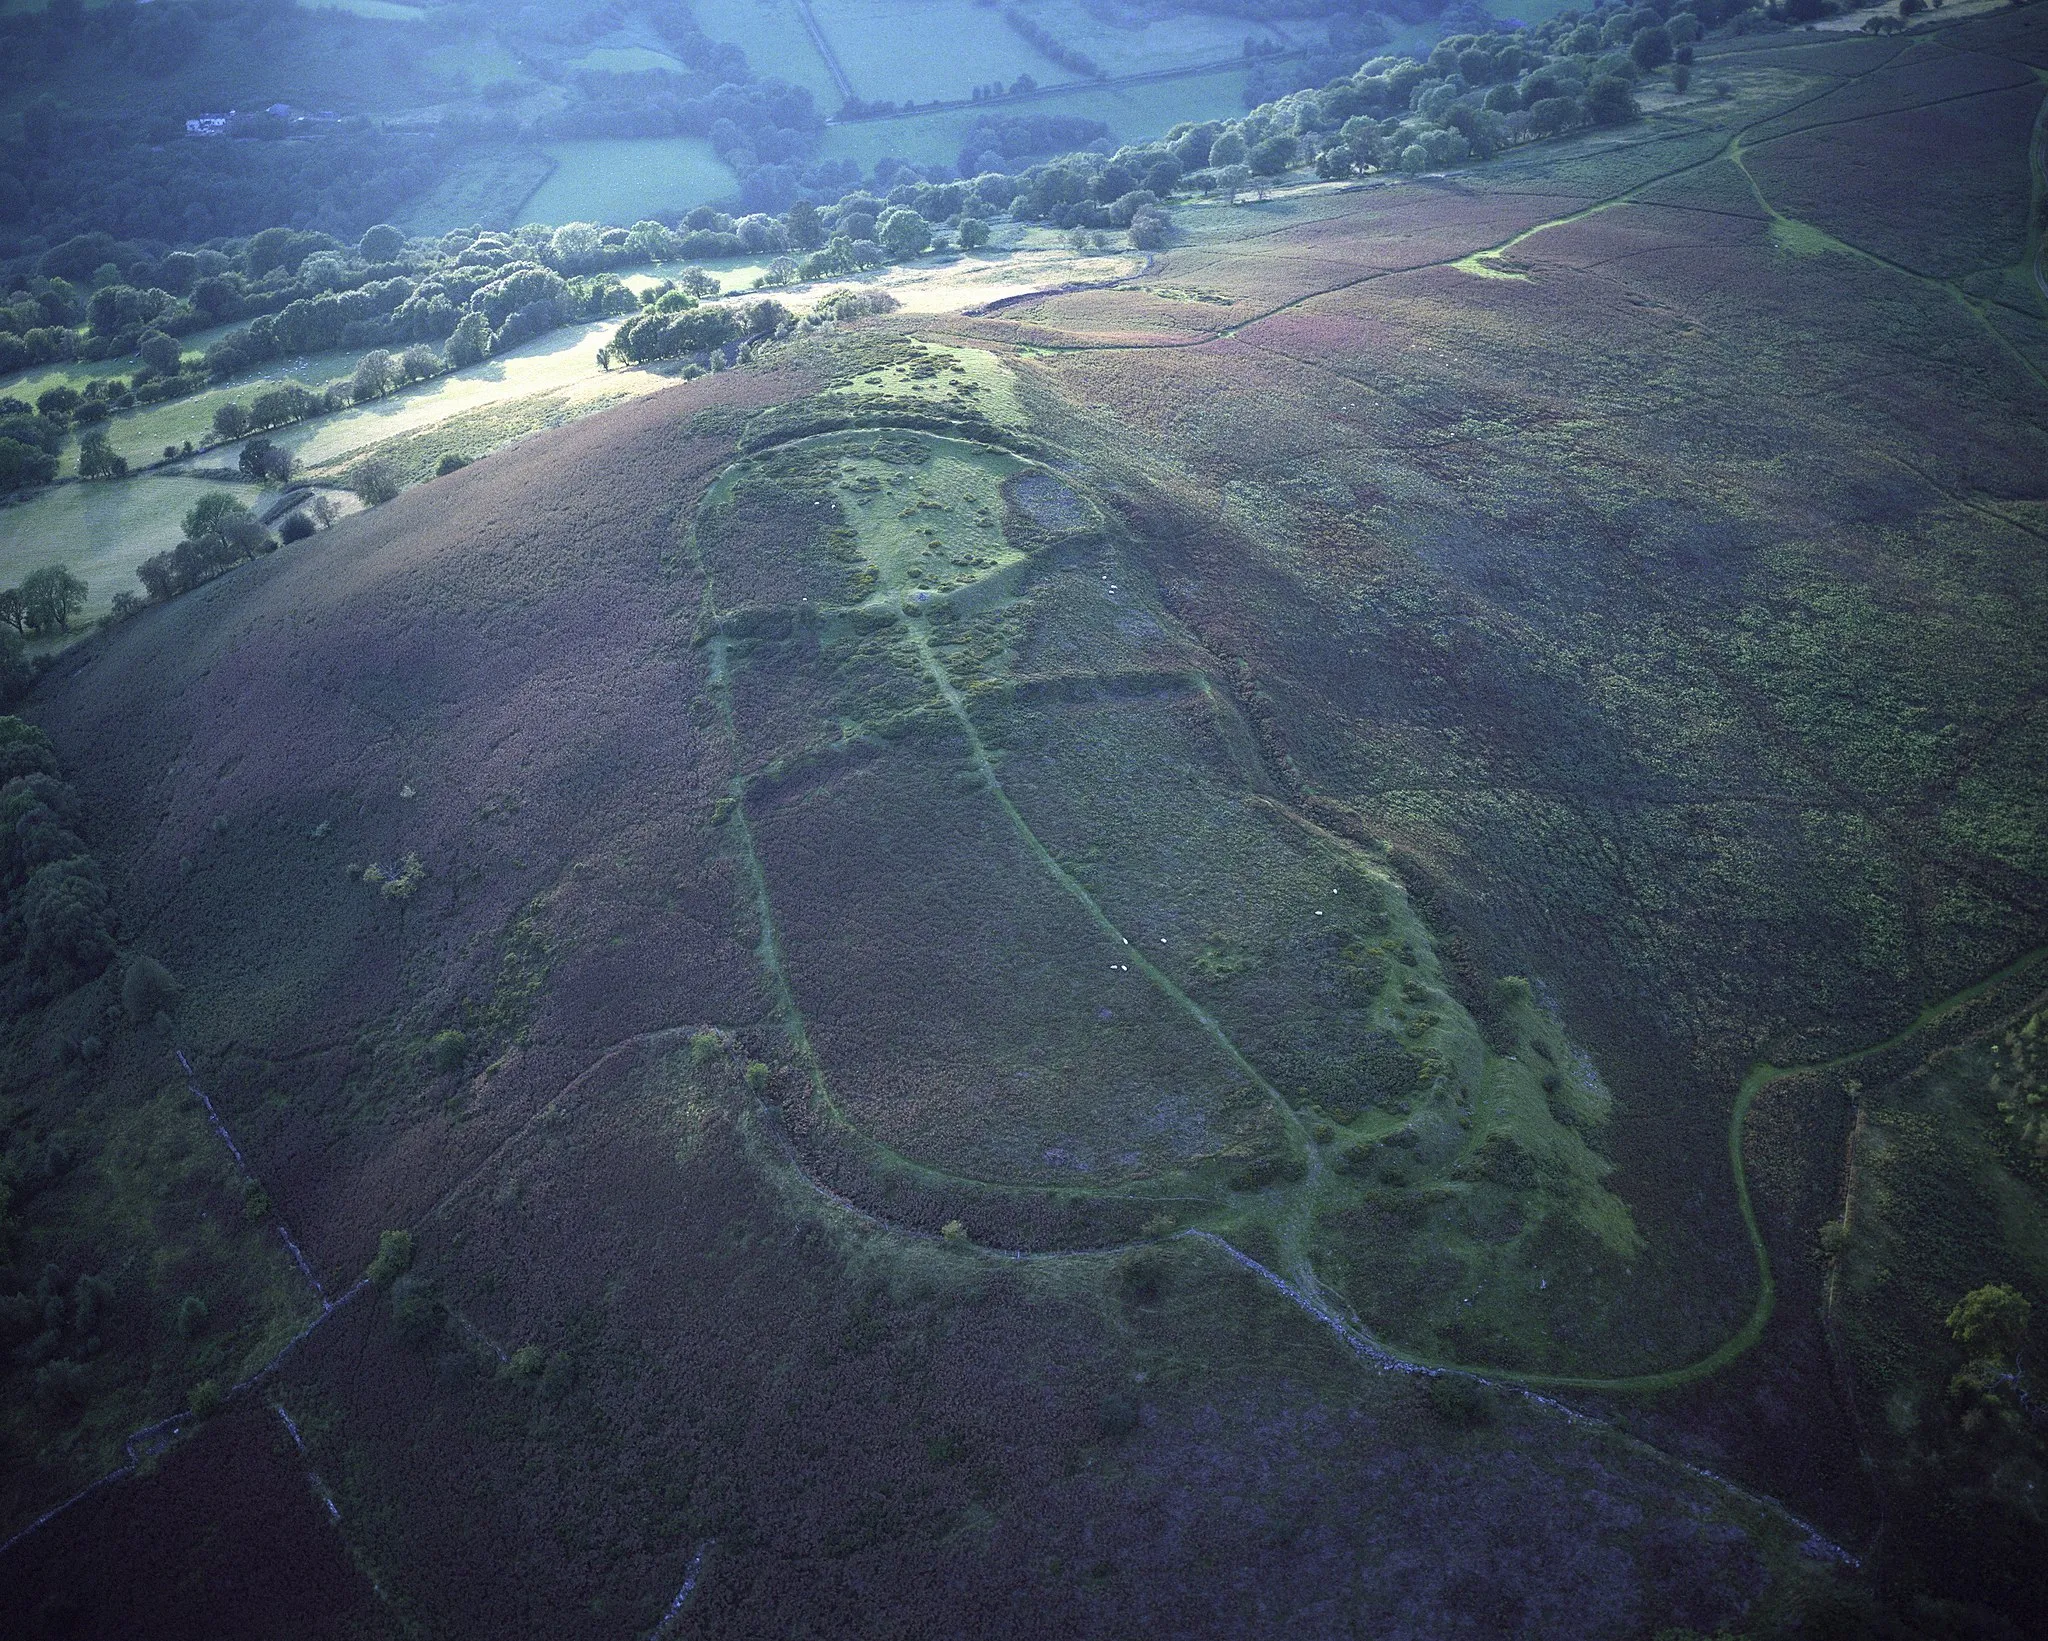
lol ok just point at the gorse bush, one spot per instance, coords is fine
(1461, 1401)
(394, 1258)
(2019, 1080)
(147, 990)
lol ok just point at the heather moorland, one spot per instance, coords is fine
(1338, 932)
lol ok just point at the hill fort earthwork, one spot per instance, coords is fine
(1332, 927)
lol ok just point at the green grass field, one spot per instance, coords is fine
(100, 531)
(104, 530)
(621, 180)
(481, 60)
(959, 45)
(1141, 43)
(628, 59)
(775, 41)
(488, 186)
(381, 11)
(1131, 113)
(141, 435)
(564, 363)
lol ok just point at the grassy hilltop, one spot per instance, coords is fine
(1344, 939)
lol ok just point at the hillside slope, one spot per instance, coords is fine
(1187, 959)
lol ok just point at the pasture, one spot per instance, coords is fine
(563, 362)
(1139, 41)
(142, 435)
(627, 57)
(960, 45)
(478, 60)
(622, 179)
(1131, 112)
(772, 34)
(101, 531)
(377, 11)
(486, 185)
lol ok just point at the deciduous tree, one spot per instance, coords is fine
(53, 595)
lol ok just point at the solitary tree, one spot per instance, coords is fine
(372, 379)
(53, 595)
(1651, 48)
(265, 462)
(1150, 229)
(375, 480)
(1990, 1323)
(973, 233)
(903, 233)
(160, 353)
(1272, 156)
(97, 458)
(471, 342)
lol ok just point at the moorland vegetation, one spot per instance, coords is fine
(1345, 937)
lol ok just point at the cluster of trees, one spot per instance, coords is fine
(2019, 1080)
(45, 602)
(675, 324)
(30, 441)
(1051, 47)
(995, 142)
(477, 295)
(981, 93)
(37, 320)
(56, 923)
(377, 374)
(1989, 1325)
(220, 532)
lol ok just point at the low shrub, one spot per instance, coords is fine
(1460, 1401)
(394, 1258)
(148, 990)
